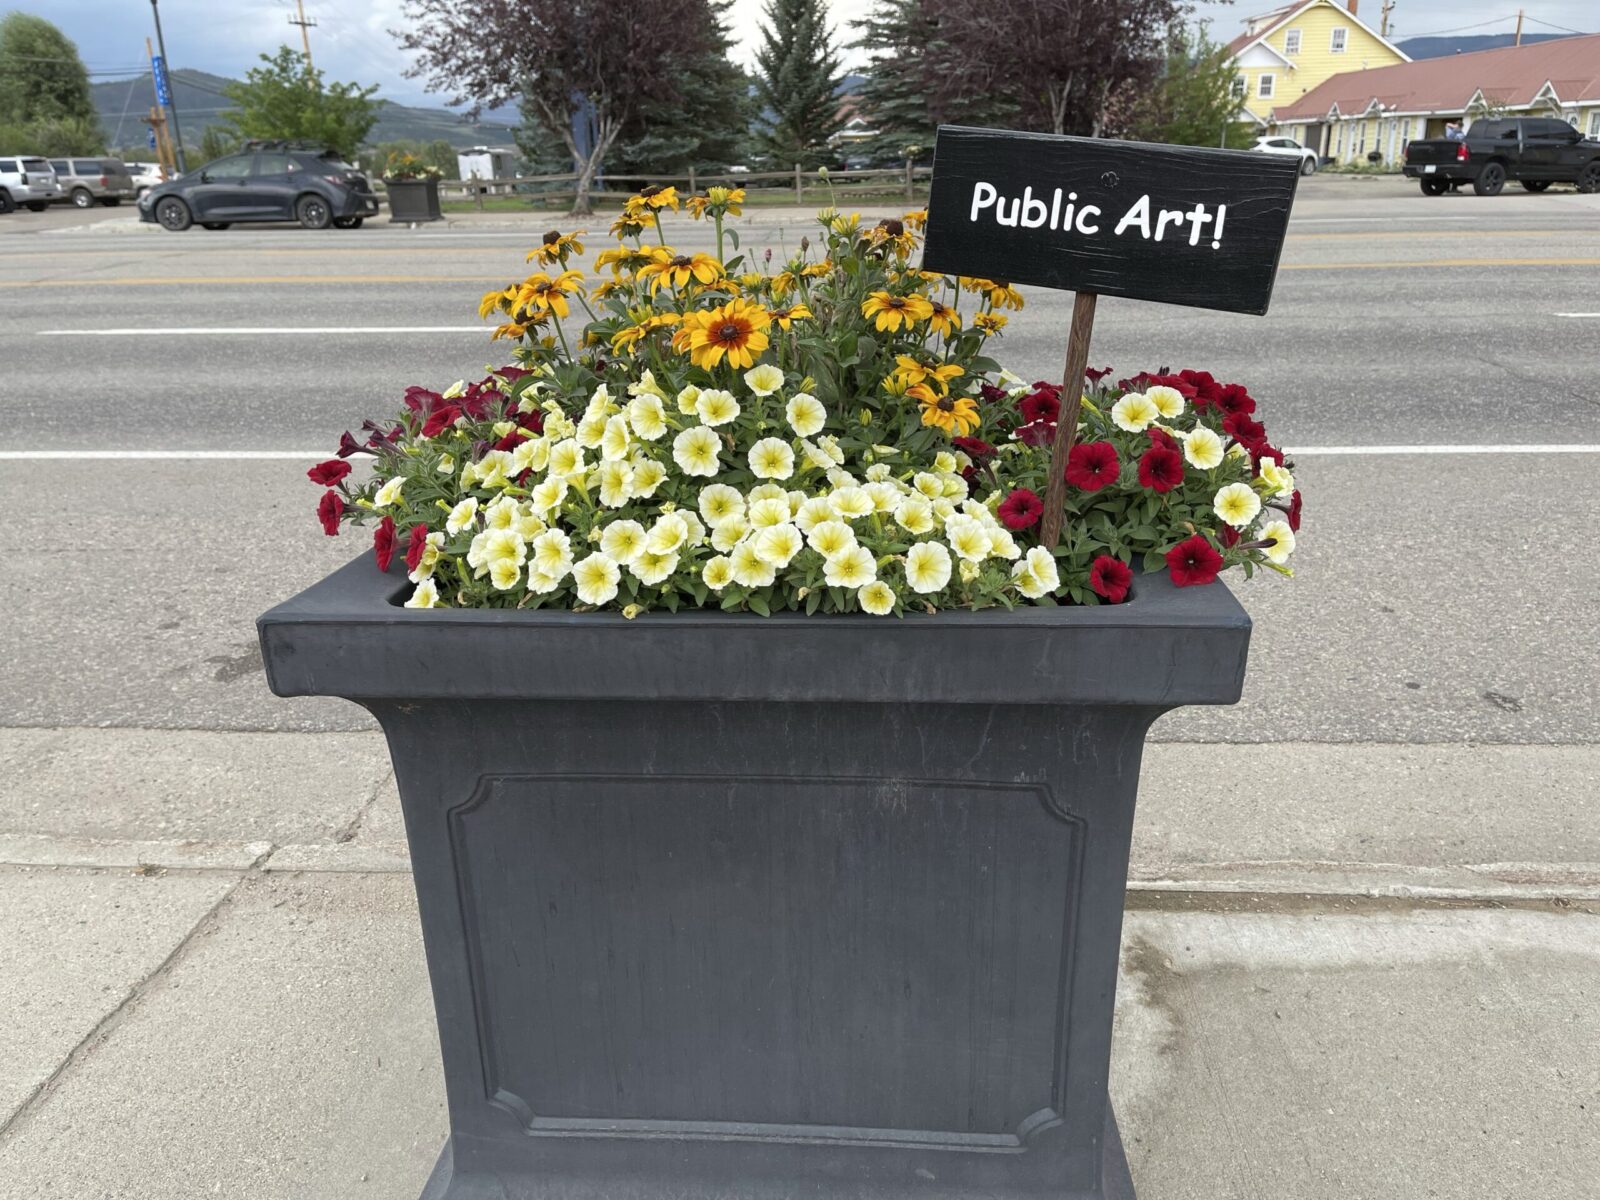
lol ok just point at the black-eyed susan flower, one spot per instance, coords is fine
(541, 293)
(632, 222)
(944, 320)
(622, 260)
(999, 294)
(500, 299)
(734, 331)
(989, 324)
(936, 375)
(786, 317)
(660, 197)
(678, 269)
(956, 415)
(891, 312)
(916, 219)
(556, 247)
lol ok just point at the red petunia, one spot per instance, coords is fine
(1229, 535)
(420, 400)
(328, 510)
(416, 543)
(383, 542)
(1092, 465)
(511, 440)
(1234, 399)
(991, 394)
(1095, 376)
(1160, 437)
(1020, 509)
(1160, 469)
(1040, 433)
(533, 421)
(1111, 578)
(1294, 511)
(1193, 561)
(977, 449)
(1206, 389)
(327, 474)
(1247, 431)
(1041, 405)
(348, 445)
(440, 419)
(1260, 452)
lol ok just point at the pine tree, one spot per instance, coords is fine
(797, 80)
(902, 41)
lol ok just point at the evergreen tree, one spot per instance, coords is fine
(905, 49)
(797, 80)
(42, 79)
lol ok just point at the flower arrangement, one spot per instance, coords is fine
(822, 434)
(408, 168)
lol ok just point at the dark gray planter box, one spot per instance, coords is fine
(414, 200)
(728, 908)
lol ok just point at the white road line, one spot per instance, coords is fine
(1492, 448)
(1578, 314)
(245, 331)
(316, 455)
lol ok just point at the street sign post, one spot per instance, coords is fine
(1173, 224)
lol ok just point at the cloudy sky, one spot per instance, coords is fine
(350, 41)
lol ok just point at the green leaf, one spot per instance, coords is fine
(758, 604)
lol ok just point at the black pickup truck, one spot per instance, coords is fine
(1535, 151)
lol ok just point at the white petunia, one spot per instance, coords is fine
(389, 493)
(646, 417)
(853, 568)
(877, 598)
(1282, 538)
(623, 541)
(547, 496)
(1135, 412)
(592, 431)
(968, 538)
(717, 407)
(828, 538)
(552, 553)
(851, 502)
(1237, 504)
(885, 496)
(650, 568)
(805, 414)
(929, 484)
(718, 502)
(688, 398)
(813, 512)
(771, 459)
(763, 380)
(425, 596)
(1203, 448)
(615, 441)
(668, 533)
(768, 511)
(717, 573)
(750, 569)
(778, 544)
(927, 567)
(504, 574)
(695, 451)
(616, 483)
(1168, 400)
(432, 545)
(648, 475)
(914, 515)
(461, 516)
(566, 459)
(596, 578)
(1279, 483)
(730, 533)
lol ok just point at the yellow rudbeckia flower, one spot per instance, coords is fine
(891, 312)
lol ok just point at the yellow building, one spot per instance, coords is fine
(1286, 53)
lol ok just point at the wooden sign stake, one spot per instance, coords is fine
(1055, 493)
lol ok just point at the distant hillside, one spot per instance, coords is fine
(123, 104)
(1444, 46)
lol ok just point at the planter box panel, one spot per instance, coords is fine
(655, 969)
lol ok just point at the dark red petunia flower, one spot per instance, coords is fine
(1234, 399)
(1160, 469)
(1260, 453)
(383, 542)
(1020, 509)
(1193, 561)
(1294, 512)
(1111, 578)
(327, 474)
(1160, 437)
(480, 402)
(328, 510)
(1207, 390)
(1042, 405)
(511, 440)
(512, 374)
(348, 445)
(977, 449)
(1229, 535)
(420, 400)
(991, 394)
(1095, 376)
(1040, 433)
(440, 419)
(532, 421)
(416, 543)
(1092, 465)
(1247, 431)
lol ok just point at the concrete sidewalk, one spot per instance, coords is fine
(1371, 972)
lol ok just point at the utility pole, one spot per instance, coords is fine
(1519, 28)
(171, 100)
(1383, 28)
(305, 37)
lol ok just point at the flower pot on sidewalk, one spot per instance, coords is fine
(414, 200)
(723, 906)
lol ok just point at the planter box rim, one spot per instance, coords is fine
(347, 635)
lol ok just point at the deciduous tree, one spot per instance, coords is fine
(561, 58)
(286, 98)
(41, 76)
(1189, 103)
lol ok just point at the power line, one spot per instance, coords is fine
(1563, 28)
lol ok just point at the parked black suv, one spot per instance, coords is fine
(268, 181)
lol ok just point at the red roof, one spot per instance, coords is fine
(1511, 75)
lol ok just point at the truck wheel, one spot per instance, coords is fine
(81, 198)
(1490, 180)
(6, 202)
(1589, 178)
(37, 205)
(1535, 185)
(1435, 187)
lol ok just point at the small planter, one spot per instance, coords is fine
(719, 906)
(414, 200)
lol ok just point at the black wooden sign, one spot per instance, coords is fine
(1175, 224)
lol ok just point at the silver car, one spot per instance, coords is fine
(26, 180)
(85, 180)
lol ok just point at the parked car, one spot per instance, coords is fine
(1288, 146)
(146, 175)
(1535, 151)
(26, 180)
(266, 182)
(85, 180)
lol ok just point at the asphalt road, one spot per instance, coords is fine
(1441, 596)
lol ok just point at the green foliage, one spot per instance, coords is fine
(287, 99)
(216, 142)
(438, 154)
(1191, 102)
(54, 135)
(41, 77)
(896, 100)
(797, 79)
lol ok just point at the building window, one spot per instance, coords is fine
(1240, 87)
(1594, 124)
(1336, 40)
(1291, 42)
(1264, 86)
